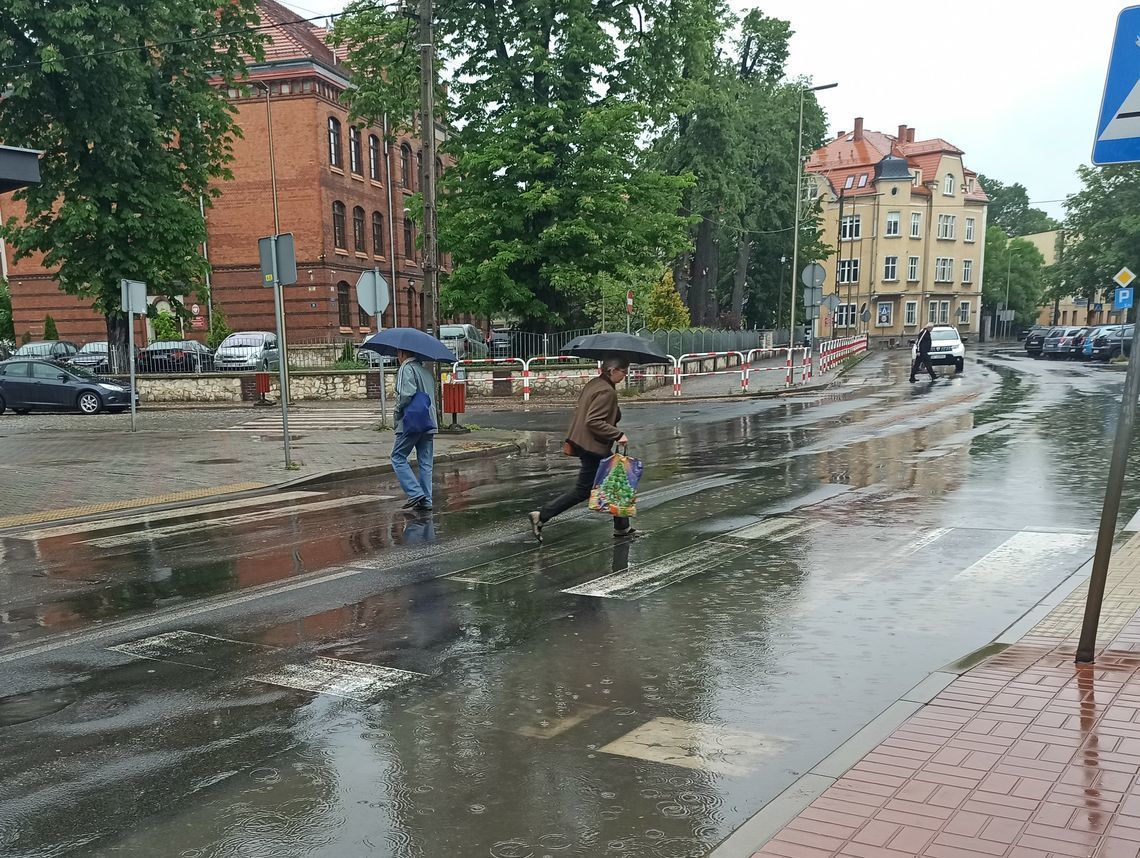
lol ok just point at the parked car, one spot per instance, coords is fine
(1113, 341)
(1035, 340)
(1101, 336)
(946, 348)
(96, 358)
(56, 350)
(465, 341)
(374, 360)
(1059, 341)
(170, 356)
(42, 385)
(502, 344)
(248, 351)
(1077, 346)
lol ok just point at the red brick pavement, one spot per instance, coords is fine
(1026, 756)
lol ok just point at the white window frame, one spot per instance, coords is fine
(916, 224)
(967, 271)
(969, 230)
(932, 312)
(947, 227)
(894, 225)
(948, 186)
(851, 227)
(912, 269)
(944, 313)
(944, 269)
(849, 270)
(910, 318)
(845, 315)
(879, 323)
(850, 183)
(862, 180)
(890, 269)
(964, 312)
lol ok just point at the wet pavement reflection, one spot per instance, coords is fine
(322, 675)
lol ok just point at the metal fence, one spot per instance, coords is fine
(708, 340)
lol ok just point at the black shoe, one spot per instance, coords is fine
(413, 503)
(536, 524)
(423, 505)
(913, 380)
(629, 531)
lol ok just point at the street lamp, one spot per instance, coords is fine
(796, 225)
(1008, 262)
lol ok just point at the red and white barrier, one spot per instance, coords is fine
(834, 352)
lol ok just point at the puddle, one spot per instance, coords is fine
(22, 708)
(973, 659)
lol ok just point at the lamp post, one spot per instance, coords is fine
(796, 224)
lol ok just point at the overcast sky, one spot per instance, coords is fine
(1015, 83)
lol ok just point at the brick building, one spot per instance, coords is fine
(908, 221)
(341, 190)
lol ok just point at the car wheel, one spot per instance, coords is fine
(2, 406)
(22, 411)
(959, 365)
(89, 402)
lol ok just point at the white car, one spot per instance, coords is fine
(946, 348)
(247, 351)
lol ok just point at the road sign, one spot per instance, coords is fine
(198, 323)
(133, 298)
(813, 296)
(372, 292)
(195, 310)
(1098, 307)
(831, 302)
(811, 313)
(813, 275)
(629, 301)
(865, 315)
(1122, 299)
(1117, 139)
(286, 259)
(1124, 277)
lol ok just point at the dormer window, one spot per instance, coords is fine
(849, 183)
(970, 185)
(914, 178)
(948, 188)
(863, 180)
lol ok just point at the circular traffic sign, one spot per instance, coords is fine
(813, 275)
(195, 310)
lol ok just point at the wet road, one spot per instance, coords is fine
(315, 674)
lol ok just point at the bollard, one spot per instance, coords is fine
(744, 376)
(788, 375)
(526, 382)
(676, 377)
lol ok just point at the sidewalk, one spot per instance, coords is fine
(1026, 756)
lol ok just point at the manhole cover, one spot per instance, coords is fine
(21, 708)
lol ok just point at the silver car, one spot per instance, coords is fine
(465, 341)
(248, 351)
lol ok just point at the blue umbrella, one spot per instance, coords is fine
(409, 340)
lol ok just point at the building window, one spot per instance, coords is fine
(914, 176)
(339, 232)
(355, 159)
(932, 316)
(850, 183)
(948, 187)
(358, 230)
(947, 226)
(334, 143)
(374, 157)
(916, 224)
(943, 269)
(848, 270)
(377, 233)
(810, 189)
(944, 313)
(967, 271)
(911, 314)
(863, 180)
(969, 229)
(364, 320)
(409, 239)
(406, 166)
(970, 185)
(845, 315)
(850, 228)
(885, 314)
(891, 268)
(912, 269)
(964, 313)
(894, 224)
(343, 305)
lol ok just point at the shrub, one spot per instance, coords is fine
(50, 331)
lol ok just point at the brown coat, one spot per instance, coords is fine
(594, 427)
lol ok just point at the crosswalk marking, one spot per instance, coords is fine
(244, 518)
(1022, 556)
(322, 420)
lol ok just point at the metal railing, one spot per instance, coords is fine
(676, 342)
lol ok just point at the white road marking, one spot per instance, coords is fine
(708, 747)
(175, 647)
(164, 515)
(312, 421)
(1133, 523)
(244, 518)
(931, 536)
(636, 582)
(340, 678)
(1021, 556)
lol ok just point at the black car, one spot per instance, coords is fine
(58, 350)
(41, 385)
(1035, 340)
(95, 357)
(176, 356)
(1113, 341)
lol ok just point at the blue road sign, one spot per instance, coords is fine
(1118, 127)
(1122, 299)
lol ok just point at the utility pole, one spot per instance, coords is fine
(427, 133)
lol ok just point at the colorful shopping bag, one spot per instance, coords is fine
(615, 486)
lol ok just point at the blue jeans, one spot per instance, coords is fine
(424, 445)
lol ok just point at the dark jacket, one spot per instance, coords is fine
(594, 427)
(923, 342)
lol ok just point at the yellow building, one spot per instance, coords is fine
(908, 220)
(1071, 310)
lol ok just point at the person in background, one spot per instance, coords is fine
(411, 378)
(591, 437)
(922, 353)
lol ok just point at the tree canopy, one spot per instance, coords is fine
(1014, 267)
(1009, 209)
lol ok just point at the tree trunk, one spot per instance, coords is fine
(682, 269)
(702, 297)
(736, 311)
(117, 343)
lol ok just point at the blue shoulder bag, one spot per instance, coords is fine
(418, 417)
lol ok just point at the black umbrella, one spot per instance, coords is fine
(625, 346)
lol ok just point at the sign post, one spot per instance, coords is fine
(372, 294)
(628, 309)
(132, 302)
(279, 268)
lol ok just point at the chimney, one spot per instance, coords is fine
(858, 133)
(902, 134)
(910, 135)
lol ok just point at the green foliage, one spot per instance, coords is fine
(666, 310)
(1009, 209)
(219, 328)
(50, 330)
(1025, 267)
(558, 200)
(347, 352)
(7, 327)
(26, 338)
(133, 119)
(166, 328)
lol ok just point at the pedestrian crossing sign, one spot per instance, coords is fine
(1118, 126)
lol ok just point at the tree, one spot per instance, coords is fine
(50, 330)
(7, 326)
(1015, 267)
(128, 102)
(219, 327)
(1009, 209)
(550, 194)
(666, 311)
(166, 328)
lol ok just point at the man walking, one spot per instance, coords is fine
(922, 353)
(413, 378)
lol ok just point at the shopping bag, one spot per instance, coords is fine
(615, 486)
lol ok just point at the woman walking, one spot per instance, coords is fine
(413, 378)
(592, 434)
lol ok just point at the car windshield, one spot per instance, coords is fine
(238, 341)
(166, 345)
(34, 349)
(942, 336)
(94, 348)
(451, 332)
